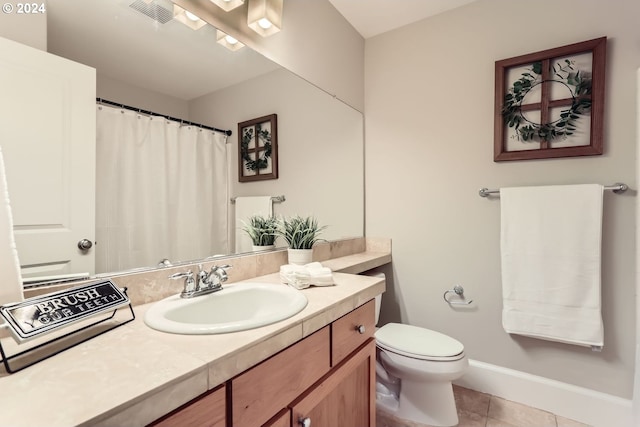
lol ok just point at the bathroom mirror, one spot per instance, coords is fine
(172, 69)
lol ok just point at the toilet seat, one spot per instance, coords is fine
(418, 343)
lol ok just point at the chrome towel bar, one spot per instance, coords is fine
(274, 199)
(617, 188)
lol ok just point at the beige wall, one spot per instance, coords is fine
(320, 145)
(316, 42)
(29, 29)
(429, 149)
(134, 96)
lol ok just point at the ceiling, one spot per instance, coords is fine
(128, 46)
(373, 17)
(170, 58)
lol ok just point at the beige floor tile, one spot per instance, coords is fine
(471, 419)
(566, 422)
(492, 422)
(518, 414)
(384, 419)
(471, 401)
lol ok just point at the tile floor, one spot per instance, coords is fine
(477, 409)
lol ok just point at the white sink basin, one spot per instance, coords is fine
(236, 307)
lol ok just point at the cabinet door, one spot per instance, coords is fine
(206, 411)
(345, 398)
(48, 139)
(283, 419)
(264, 390)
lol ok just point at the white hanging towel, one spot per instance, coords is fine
(247, 207)
(551, 262)
(10, 278)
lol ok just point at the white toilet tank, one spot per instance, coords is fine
(378, 303)
(378, 297)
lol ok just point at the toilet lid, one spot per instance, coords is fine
(420, 343)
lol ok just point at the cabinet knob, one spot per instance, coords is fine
(305, 422)
(361, 329)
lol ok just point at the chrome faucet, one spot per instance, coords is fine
(204, 283)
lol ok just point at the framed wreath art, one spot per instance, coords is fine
(550, 104)
(258, 149)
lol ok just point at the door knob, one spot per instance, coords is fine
(305, 422)
(85, 244)
(361, 329)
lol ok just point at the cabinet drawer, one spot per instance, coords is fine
(208, 410)
(351, 331)
(283, 419)
(265, 389)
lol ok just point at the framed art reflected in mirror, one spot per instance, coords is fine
(258, 149)
(550, 104)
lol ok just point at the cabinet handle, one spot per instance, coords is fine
(361, 329)
(305, 422)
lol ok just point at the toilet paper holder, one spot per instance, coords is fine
(459, 291)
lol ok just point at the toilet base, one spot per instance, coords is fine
(428, 403)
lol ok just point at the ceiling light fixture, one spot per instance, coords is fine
(265, 16)
(228, 41)
(187, 18)
(227, 5)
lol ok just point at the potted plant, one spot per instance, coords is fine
(262, 231)
(300, 233)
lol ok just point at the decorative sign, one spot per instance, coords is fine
(38, 315)
(258, 149)
(550, 104)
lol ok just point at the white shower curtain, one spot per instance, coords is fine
(162, 191)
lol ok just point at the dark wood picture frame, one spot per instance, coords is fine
(258, 149)
(584, 103)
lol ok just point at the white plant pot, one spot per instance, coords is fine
(263, 248)
(300, 256)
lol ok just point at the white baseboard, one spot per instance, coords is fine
(577, 403)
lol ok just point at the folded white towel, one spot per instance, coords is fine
(10, 278)
(551, 262)
(304, 276)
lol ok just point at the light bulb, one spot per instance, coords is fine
(191, 16)
(231, 40)
(264, 23)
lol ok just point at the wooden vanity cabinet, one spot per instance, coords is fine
(345, 398)
(345, 395)
(283, 419)
(208, 410)
(351, 331)
(327, 378)
(261, 392)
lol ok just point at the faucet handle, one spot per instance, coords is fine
(182, 275)
(189, 281)
(220, 271)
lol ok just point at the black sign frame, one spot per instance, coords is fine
(41, 315)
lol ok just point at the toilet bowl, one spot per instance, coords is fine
(415, 368)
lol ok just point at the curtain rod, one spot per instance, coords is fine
(617, 188)
(139, 110)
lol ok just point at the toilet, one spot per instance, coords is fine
(414, 370)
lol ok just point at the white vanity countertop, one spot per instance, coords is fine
(132, 375)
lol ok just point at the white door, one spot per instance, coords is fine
(47, 135)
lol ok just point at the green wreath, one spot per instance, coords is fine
(261, 162)
(579, 85)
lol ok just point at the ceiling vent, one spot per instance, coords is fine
(153, 11)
